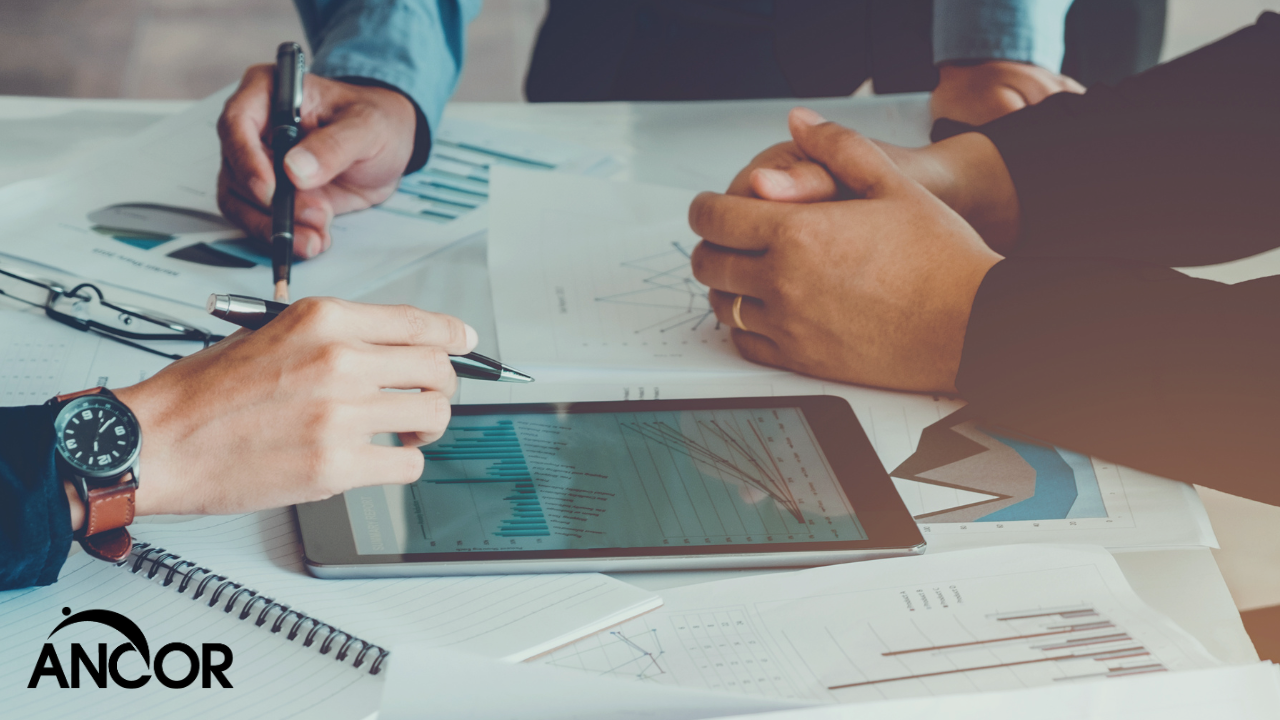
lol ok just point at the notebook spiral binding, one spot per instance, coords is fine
(219, 585)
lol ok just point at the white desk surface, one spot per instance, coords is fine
(699, 146)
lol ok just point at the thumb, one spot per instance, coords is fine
(852, 158)
(328, 151)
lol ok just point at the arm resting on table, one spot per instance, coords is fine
(1135, 363)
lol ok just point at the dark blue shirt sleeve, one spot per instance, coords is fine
(35, 519)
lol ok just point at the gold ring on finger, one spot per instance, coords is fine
(737, 314)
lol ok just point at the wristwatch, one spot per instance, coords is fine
(98, 441)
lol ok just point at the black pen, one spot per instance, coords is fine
(286, 115)
(253, 313)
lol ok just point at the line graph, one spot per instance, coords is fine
(757, 469)
(667, 285)
(639, 655)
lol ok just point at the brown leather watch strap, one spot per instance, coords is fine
(59, 399)
(107, 512)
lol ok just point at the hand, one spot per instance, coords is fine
(285, 414)
(873, 290)
(966, 172)
(978, 94)
(356, 145)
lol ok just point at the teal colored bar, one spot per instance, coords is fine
(440, 215)
(464, 481)
(464, 205)
(540, 533)
(470, 455)
(499, 154)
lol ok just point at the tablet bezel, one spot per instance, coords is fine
(328, 540)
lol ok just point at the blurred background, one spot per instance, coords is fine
(185, 49)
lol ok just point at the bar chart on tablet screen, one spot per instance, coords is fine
(964, 480)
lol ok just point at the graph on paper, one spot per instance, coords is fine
(999, 476)
(1037, 646)
(588, 271)
(637, 654)
(455, 181)
(968, 621)
(590, 480)
(663, 284)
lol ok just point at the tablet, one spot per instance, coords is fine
(620, 486)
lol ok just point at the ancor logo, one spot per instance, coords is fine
(203, 665)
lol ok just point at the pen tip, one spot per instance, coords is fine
(282, 291)
(512, 375)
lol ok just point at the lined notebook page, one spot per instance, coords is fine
(505, 616)
(271, 677)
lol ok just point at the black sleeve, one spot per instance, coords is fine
(1179, 165)
(35, 520)
(1135, 363)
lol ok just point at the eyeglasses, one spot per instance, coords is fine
(84, 308)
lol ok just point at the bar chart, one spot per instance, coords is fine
(455, 180)
(967, 651)
(496, 449)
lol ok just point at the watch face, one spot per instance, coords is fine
(97, 435)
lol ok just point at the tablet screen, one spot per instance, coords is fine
(548, 481)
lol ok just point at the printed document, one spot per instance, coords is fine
(595, 273)
(144, 214)
(978, 620)
(1246, 692)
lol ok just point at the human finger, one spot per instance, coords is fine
(256, 222)
(783, 173)
(313, 209)
(383, 465)
(852, 158)
(330, 150)
(803, 182)
(751, 312)
(729, 270)
(420, 415)
(425, 367)
(738, 222)
(243, 120)
(759, 349)
(382, 324)
(1070, 84)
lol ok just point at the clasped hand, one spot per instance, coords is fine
(849, 269)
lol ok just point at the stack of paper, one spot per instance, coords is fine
(1046, 631)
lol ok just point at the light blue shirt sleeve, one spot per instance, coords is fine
(1029, 31)
(416, 46)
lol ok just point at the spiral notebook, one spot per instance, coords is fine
(301, 647)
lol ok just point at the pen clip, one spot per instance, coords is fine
(291, 66)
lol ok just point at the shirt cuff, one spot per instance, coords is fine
(1029, 31)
